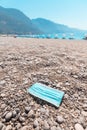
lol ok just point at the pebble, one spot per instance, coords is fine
(60, 119)
(46, 125)
(58, 128)
(9, 127)
(14, 113)
(85, 107)
(31, 113)
(21, 119)
(3, 95)
(8, 116)
(84, 113)
(78, 127)
(3, 106)
(18, 126)
(25, 128)
(27, 109)
(67, 84)
(53, 128)
(37, 128)
(36, 124)
(1, 125)
(17, 110)
(75, 76)
(2, 82)
(4, 127)
(42, 110)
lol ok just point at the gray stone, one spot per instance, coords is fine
(60, 119)
(25, 128)
(4, 127)
(31, 113)
(27, 109)
(18, 126)
(3, 95)
(58, 128)
(37, 128)
(17, 110)
(3, 106)
(85, 107)
(81, 120)
(84, 113)
(46, 125)
(42, 110)
(2, 82)
(9, 127)
(14, 113)
(21, 119)
(1, 125)
(36, 124)
(78, 127)
(8, 116)
(67, 84)
(86, 128)
(53, 128)
(66, 96)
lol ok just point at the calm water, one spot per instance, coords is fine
(77, 36)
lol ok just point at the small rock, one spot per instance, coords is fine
(27, 109)
(1, 125)
(25, 128)
(86, 128)
(37, 128)
(18, 126)
(25, 82)
(60, 119)
(81, 120)
(66, 96)
(47, 112)
(84, 113)
(46, 125)
(42, 110)
(21, 119)
(2, 82)
(8, 116)
(4, 127)
(3, 106)
(75, 76)
(36, 124)
(14, 113)
(53, 128)
(17, 110)
(9, 127)
(85, 107)
(31, 114)
(67, 84)
(58, 128)
(3, 95)
(78, 127)
(59, 85)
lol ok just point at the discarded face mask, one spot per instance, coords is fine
(46, 93)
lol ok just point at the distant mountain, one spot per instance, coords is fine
(13, 21)
(48, 26)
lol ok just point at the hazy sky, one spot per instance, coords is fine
(69, 12)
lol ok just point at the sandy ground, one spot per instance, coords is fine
(61, 64)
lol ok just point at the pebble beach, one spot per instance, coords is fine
(60, 64)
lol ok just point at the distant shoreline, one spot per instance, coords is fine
(41, 37)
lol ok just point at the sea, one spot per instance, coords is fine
(77, 36)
